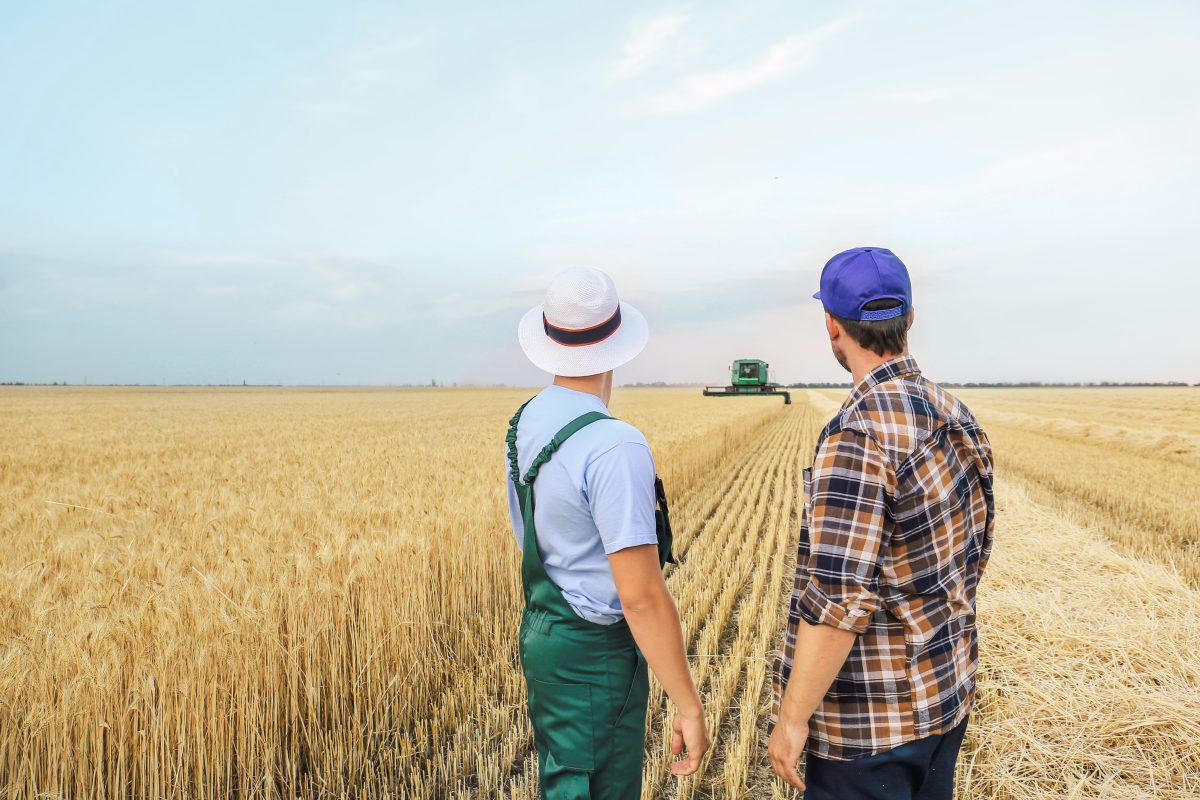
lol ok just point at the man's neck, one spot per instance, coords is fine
(598, 385)
(866, 361)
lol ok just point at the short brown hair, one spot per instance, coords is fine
(882, 337)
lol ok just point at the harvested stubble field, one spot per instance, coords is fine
(314, 593)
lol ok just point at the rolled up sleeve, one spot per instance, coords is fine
(849, 524)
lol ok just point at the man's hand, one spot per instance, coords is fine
(785, 748)
(689, 731)
(820, 652)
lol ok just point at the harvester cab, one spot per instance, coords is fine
(749, 377)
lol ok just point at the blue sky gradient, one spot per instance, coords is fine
(373, 193)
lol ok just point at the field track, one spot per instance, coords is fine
(313, 594)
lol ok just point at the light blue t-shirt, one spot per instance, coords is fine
(593, 498)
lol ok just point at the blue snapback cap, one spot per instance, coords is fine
(853, 278)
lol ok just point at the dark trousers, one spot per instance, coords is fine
(920, 770)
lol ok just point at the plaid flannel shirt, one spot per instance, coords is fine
(897, 528)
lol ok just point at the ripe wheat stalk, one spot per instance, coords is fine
(296, 593)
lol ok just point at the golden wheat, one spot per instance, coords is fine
(310, 593)
(1126, 462)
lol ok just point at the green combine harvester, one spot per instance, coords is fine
(749, 378)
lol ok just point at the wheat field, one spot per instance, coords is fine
(308, 593)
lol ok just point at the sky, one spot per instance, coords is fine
(373, 193)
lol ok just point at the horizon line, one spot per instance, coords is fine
(635, 385)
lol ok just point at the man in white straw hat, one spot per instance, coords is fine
(596, 607)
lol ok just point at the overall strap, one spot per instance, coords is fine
(568, 430)
(511, 438)
(541, 593)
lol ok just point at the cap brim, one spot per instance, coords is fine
(590, 359)
(816, 295)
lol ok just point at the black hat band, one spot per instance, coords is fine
(582, 336)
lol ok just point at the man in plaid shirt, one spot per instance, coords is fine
(877, 672)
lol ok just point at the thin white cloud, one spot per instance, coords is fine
(923, 96)
(457, 306)
(1058, 181)
(781, 59)
(646, 40)
(1095, 163)
(218, 259)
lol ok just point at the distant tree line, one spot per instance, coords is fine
(960, 385)
(1008, 384)
(434, 384)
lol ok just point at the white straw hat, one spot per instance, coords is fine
(582, 328)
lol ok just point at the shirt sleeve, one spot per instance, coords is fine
(849, 524)
(620, 492)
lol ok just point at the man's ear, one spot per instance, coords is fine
(912, 316)
(832, 326)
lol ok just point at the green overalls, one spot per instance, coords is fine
(588, 685)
